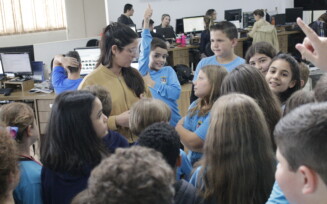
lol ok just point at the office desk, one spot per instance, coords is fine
(40, 102)
(184, 99)
(180, 55)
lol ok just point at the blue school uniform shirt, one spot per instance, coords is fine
(193, 123)
(213, 61)
(277, 196)
(29, 187)
(167, 87)
(60, 81)
(184, 171)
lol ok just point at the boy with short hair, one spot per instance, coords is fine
(66, 73)
(164, 138)
(301, 152)
(223, 37)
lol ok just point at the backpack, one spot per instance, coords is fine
(183, 72)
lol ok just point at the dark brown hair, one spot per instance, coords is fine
(226, 27)
(301, 138)
(248, 80)
(259, 12)
(264, 48)
(120, 35)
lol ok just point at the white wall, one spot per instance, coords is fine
(184, 8)
(85, 18)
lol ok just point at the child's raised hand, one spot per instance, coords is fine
(148, 12)
(313, 48)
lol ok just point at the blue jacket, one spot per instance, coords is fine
(167, 87)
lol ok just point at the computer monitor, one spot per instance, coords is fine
(16, 63)
(291, 14)
(193, 24)
(89, 58)
(279, 19)
(248, 19)
(232, 15)
(167, 33)
(179, 26)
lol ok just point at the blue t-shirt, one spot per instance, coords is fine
(29, 187)
(213, 61)
(60, 81)
(167, 87)
(193, 123)
(277, 196)
(185, 169)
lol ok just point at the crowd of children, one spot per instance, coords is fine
(112, 143)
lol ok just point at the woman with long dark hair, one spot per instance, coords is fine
(72, 145)
(119, 46)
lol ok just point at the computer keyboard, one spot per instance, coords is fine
(5, 90)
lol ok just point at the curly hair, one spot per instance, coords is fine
(19, 115)
(8, 160)
(163, 138)
(137, 175)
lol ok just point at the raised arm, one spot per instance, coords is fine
(145, 43)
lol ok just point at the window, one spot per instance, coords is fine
(25, 16)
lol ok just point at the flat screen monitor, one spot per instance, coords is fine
(16, 63)
(179, 26)
(279, 19)
(248, 19)
(193, 24)
(291, 14)
(1, 70)
(89, 58)
(233, 15)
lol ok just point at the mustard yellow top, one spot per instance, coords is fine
(122, 97)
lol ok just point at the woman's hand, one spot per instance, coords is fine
(123, 119)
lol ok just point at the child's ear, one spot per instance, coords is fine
(292, 84)
(234, 42)
(29, 130)
(302, 82)
(309, 179)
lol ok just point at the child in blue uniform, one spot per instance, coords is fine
(161, 79)
(223, 36)
(207, 89)
(21, 116)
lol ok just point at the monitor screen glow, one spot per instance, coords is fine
(193, 24)
(17, 63)
(89, 58)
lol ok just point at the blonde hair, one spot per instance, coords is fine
(146, 112)
(215, 75)
(239, 157)
(19, 115)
